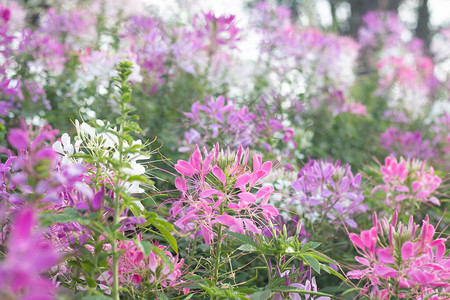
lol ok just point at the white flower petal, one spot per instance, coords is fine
(57, 146)
(139, 204)
(65, 139)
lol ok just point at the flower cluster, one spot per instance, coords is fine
(328, 190)
(73, 27)
(300, 56)
(102, 141)
(9, 88)
(206, 45)
(407, 143)
(28, 256)
(218, 118)
(382, 27)
(150, 46)
(37, 176)
(221, 119)
(137, 268)
(400, 260)
(407, 183)
(222, 190)
(405, 74)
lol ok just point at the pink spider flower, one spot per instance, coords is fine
(222, 189)
(401, 259)
(151, 271)
(28, 256)
(408, 182)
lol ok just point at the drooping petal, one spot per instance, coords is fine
(226, 220)
(184, 168)
(356, 240)
(97, 199)
(219, 174)
(196, 160)
(264, 190)
(18, 138)
(384, 256)
(247, 197)
(57, 146)
(180, 184)
(385, 272)
(407, 250)
(242, 180)
(362, 261)
(208, 193)
(250, 225)
(207, 234)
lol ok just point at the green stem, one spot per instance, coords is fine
(117, 210)
(217, 254)
(115, 290)
(269, 274)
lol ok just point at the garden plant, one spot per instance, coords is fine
(145, 156)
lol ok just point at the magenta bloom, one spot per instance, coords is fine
(54, 184)
(395, 258)
(222, 189)
(408, 182)
(137, 270)
(28, 255)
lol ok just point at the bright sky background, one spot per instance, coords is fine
(439, 9)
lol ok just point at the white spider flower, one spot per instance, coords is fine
(106, 144)
(66, 149)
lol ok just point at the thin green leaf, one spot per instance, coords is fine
(245, 239)
(310, 246)
(167, 235)
(162, 296)
(262, 295)
(146, 247)
(430, 295)
(313, 262)
(247, 248)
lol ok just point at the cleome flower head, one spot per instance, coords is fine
(135, 268)
(407, 183)
(222, 190)
(326, 188)
(401, 260)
